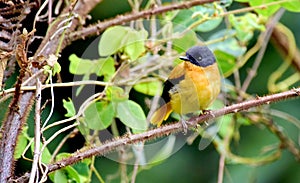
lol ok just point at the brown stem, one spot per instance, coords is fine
(264, 39)
(285, 141)
(37, 133)
(15, 119)
(101, 26)
(282, 43)
(50, 44)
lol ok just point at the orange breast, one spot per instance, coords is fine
(199, 88)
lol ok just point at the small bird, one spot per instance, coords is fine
(191, 86)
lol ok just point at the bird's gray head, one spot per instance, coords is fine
(200, 56)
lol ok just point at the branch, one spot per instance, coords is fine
(281, 42)
(121, 19)
(37, 133)
(51, 42)
(66, 84)
(264, 39)
(22, 102)
(174, 128)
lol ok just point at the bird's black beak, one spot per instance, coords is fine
(183, 58)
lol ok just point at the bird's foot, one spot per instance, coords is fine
(184, 125)
(205, 111)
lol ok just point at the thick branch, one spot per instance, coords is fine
(101, 26)
(173, 128)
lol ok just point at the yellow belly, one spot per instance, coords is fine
(198, 90)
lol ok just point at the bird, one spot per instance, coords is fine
(192, 85)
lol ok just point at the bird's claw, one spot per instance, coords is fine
(184, 126)
(207, 112)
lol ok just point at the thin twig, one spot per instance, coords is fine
(264, 39)
(221, 168)
(67, 84)
(101, 26)
(96, 29)
(135, 171)
(52, 100)
(285, 141)
(282, 43)
(37, 133)
(62, 142)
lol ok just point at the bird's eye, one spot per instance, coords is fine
(199, 58)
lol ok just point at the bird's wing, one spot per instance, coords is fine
(176, 75)
(165, 109)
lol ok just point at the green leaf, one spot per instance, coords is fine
(52, 65)
(116, 94)
(135, 43)
(226, 127)
(99, 115)
(245, 26)
(185, 42)
(149, 88)
(105, 67)
(69, 106)
(293, 6)
(67, 174)
(80, 66)
(182, 19)
(225, 3)
(82, 127)
(83, 167)
(132, 115)
(112, 40)
(101, 67)
(46, 155)
(267, 10)
(206, 12)
(226, 62)
(203, 14)
(242, 120)
(76, 173)
(229, 45)
(118, 38)
(72, 174)
(60, 177)
(21, 143)
(56, 68)
(61, 156)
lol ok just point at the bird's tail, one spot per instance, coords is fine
(161, 114)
